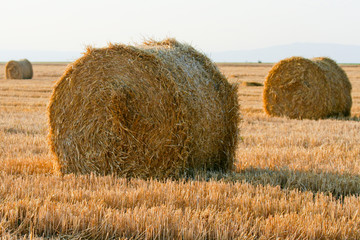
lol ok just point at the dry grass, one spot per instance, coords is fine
(295, 179)
(98, 207)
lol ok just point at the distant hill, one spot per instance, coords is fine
(340, 53)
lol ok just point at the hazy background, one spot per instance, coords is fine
(227, 30)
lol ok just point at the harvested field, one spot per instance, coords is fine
(294, 178)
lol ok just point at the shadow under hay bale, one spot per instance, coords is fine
(21, 69)
(307, 88)
(154, 110)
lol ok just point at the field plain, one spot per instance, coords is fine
(294, 179)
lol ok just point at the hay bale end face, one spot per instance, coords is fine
(21, 69)
(302, 88)
(154, 110)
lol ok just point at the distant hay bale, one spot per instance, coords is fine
(251, 84)
(21, 69)
(159, 110)
(301, 88)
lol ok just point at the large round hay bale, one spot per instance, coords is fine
(159, 110)
(21, 69)
(307, 88)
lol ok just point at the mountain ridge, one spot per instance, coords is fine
(339, 52)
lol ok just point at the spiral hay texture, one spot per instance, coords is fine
(158, 110)
(21, 69)
(307, 88)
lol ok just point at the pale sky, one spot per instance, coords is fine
(210, 26)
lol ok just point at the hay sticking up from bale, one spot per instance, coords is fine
(159, 110)
(307, 88)
(21, 69)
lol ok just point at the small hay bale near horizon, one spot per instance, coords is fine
(251, 84)
(301, 88)
(21, 69)
(156, 110)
